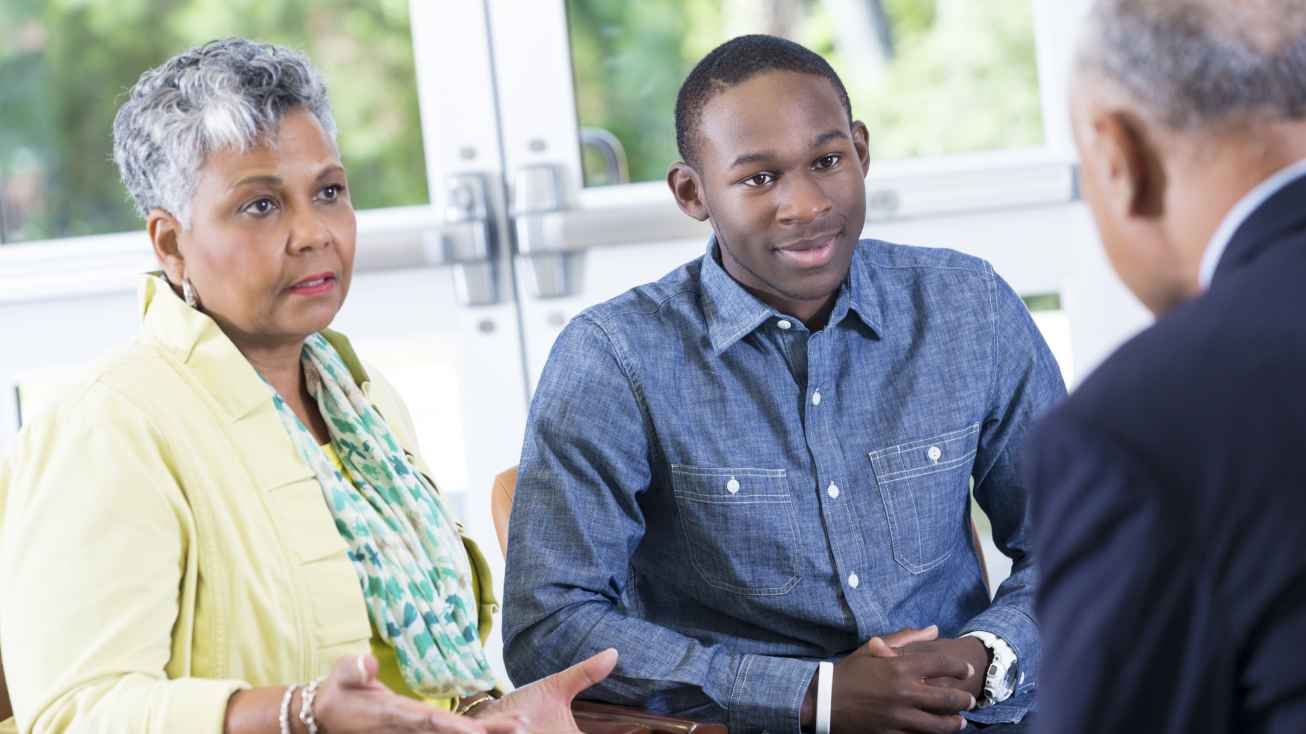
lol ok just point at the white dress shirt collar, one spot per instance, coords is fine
(1239, 214)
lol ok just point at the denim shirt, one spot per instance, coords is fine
(726, 497)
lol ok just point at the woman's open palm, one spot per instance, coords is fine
(545, 705)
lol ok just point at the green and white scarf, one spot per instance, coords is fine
(406, 548)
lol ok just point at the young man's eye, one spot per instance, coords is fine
(827, 161)
(760, 179)
(260, 207)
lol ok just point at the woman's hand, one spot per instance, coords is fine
(351, 700)
(546, 704)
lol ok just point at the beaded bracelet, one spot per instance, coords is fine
(306, 707)
(284, 717)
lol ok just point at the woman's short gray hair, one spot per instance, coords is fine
(1197, 62)
(230, 93)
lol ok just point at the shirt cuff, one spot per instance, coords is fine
(195, 704)
(767, 694)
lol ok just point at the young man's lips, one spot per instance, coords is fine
(810, 253)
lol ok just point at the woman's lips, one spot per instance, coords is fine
(314, 286)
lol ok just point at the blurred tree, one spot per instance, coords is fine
(65, 64)
(944, 77)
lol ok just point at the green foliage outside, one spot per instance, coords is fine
(66, 64)
(961, 77)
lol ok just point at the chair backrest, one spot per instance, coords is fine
(505, 485)
(6, 710)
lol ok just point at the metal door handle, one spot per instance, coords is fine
(554, 267)
(468, 239)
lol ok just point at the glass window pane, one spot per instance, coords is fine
(929, 77)
(65, 64)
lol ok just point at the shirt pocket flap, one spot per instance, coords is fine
(925, 456)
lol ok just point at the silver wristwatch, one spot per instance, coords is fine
(1000, 678)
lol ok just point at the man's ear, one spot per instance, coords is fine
(687, 188)
(1130, 166)
(862, 144)
(164, 230)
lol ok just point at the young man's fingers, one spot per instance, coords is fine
(939, 666)
(944, 701)
(877, 647)
(926, 723)
(907, 636)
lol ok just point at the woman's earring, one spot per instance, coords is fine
(188, 293)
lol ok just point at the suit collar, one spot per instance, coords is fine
(1274, 208)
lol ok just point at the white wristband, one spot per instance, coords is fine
(824, 691)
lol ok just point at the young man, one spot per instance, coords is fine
(762, 460)
(1170, 486)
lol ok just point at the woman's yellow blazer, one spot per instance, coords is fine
(162, 544)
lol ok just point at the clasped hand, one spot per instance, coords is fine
(909, 681)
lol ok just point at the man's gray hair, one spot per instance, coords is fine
(230, 93)
(1199, 62)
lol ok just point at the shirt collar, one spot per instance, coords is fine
(731, 312)
(1239, 215)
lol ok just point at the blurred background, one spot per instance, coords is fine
(508, 158)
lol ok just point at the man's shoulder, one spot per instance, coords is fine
(1213, 366)
(669, 292)
(890, 256)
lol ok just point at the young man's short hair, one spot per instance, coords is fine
(737, 61)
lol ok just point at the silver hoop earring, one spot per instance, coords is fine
(188, 293)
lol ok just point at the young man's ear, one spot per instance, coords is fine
(164, 229)
(687, 188)
(862, 144)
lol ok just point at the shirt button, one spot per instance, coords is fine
(785, 324)
(935, 453)
(853, 581)
(816, 398)
(833, 491)
(732, 486)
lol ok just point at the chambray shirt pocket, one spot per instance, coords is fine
(740, 528)
(923, 484)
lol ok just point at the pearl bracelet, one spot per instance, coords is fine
(306, 707)
(284, 717)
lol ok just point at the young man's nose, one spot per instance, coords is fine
(803, 200)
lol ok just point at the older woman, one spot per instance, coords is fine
(233, 505)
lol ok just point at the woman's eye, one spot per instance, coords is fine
(260, 207)
(829, 161)
(761, 179)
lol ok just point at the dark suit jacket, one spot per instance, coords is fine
(1170, 499)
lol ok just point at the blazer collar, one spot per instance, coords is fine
(199, 343)
(1282, 214)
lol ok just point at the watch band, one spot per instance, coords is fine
(997, 686)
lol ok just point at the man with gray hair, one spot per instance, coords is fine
(1170, 491)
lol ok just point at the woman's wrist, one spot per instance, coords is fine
(470, 705)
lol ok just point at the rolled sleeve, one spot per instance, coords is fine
(1026, 385)
(767, 693)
